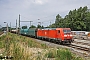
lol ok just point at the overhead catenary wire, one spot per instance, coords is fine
(42, 19)
(37, 20)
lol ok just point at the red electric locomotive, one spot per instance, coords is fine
(60, 35)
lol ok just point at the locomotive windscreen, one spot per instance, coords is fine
(67, 31)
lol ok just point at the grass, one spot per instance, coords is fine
(61, 54)
(64, 54)
(25, 48)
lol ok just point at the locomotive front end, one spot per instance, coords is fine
(67, 35)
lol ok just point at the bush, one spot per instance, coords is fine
(63, 54)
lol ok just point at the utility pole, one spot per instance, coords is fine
(10, 26)
(7, 41)
(16, 27)
(39, 23)
(7, 28)
(30, 23)
(19, 20)
(50, 24)
(19, 24)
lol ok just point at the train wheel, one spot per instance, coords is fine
(60, 42)
(69, 42)
(49, 39)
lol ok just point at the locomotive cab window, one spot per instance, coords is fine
(67, 31)
(58, 31)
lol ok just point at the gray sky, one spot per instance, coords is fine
(32, 10)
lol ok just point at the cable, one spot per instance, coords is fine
(38, 18)
(25, 17)
(41, 19)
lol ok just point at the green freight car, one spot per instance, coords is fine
(32, 32)
(24, 31)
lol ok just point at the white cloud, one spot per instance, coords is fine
(40, 1)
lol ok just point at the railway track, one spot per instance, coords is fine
(79, 47)
(82, 42)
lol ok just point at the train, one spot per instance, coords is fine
(58, 35)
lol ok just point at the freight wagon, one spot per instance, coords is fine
(24, 31)
(32, 32)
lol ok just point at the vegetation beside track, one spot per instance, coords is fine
(25, 48)
(1, 32)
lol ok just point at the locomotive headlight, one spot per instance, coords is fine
(70, 35)
(65, 35)
(25, 33)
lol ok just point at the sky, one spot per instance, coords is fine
(43, 11)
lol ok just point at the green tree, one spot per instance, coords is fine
(38, 26)
(24, 27)
(78, 19)
(42, 26)
(32, 26)
(52, 26)
(59, 21)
